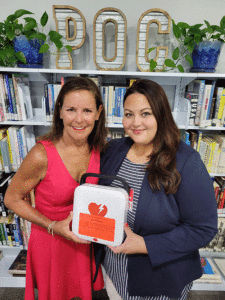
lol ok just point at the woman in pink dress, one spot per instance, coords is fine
(59, 264)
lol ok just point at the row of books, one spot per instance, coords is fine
(211, 148)
(14, 230)
(218, 242)
(207, 100)
(113, 102)
(51, 92)
(15, 143)
(219, 187)
(15, 98)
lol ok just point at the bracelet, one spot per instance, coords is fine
(50, 228)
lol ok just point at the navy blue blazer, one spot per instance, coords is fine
(174, 227)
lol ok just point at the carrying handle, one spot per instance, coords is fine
(125, 184)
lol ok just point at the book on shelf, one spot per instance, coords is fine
(220, 262)
(210, 273)
(22, 87)
(18, 267)
(184, 135)
(218, 93)
(218, 242)
(197, 87)
(221, 108)
(5, 155)
(211, 104)
(205, 104)
(193, 98)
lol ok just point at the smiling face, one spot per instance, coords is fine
(138, 121)
(79, 113)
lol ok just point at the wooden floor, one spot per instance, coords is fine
(18, 294)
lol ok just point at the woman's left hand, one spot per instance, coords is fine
(133, 243)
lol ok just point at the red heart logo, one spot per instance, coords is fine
(97, 210)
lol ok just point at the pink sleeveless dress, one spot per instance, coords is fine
(60, 269)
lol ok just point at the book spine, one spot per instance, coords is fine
(193, 98)
(19, 111)
(12, 93)
(208, 121)
(5, 155)
(50, 101)
(7, 103)
(2, 231)
(9, 97)
(15, 234)
(47, 102)
(205, 103)
(200, 99)
(4, 210)
(110, 104)
(2, 95)
(221, 107)
(116, 104)
(7, 233)
(20, 145)
(25, 242)
(53, 98)
(16, 146)
(24, 143)
(12, 150)
(17, 224)
(215, 121)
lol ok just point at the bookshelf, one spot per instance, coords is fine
(174, 85)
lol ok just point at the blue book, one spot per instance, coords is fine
(46, 102)
(53, 97)
(185, 136)
(20, 144)
(12, 93)
(17, 223)
(8, 97)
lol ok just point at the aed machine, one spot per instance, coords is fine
(99, 212)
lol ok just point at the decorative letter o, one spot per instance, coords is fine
(103, 17)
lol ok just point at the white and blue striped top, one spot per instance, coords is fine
(115, 265)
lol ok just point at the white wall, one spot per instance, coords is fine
(190, 11)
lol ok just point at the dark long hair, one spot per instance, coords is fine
(162, 164)
(97, 137)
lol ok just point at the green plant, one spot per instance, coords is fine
(187, 37)
(11, 28)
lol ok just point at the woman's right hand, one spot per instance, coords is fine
(63, 228)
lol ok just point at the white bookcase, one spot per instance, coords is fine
(173, 84)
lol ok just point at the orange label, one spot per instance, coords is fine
(97, 227)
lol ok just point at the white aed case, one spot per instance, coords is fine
(99, 212)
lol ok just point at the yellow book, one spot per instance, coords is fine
(211, 155)
(10, 149)
(221, 107)
(3, 133)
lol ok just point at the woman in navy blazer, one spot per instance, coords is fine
(175, 211)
